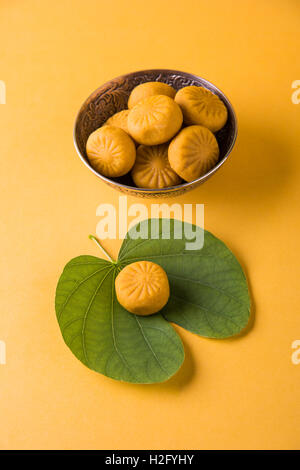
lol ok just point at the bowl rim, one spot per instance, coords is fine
(169, 188)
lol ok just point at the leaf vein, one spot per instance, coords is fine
(113, 331)
(87, 311)
(75, 289)
(206, 285)
(207, 310)
(149, 346)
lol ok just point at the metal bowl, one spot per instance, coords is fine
(113, 96)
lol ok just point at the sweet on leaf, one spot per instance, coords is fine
(208, 296)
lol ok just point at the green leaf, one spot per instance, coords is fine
(209, 293)
(103, 335)
(209, 296)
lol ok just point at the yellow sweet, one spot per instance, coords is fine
(201, 106)
(119, 120)
(152, 169)
(193, 152)
(142, 288)
(149, 89)
(154, 120)
(111, 151)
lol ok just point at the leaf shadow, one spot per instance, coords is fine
(180, 379)
(186, 372)
(251, 322)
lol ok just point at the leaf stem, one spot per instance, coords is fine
(91, 237)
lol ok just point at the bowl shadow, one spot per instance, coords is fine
(254, 180)
(258, 171)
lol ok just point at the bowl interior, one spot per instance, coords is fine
(113, 96)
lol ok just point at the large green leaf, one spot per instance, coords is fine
(209, 296)
(103, 335)
(209, 293)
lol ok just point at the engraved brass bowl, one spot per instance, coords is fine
(113, 96)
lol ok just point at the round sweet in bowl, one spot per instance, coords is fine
(201, 106)
(119, 119)
(154, 120)
(149, 89)
(111, 151)
(193, 152)
(152, 168)
(112, 97)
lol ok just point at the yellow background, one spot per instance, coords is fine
(238, 393)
